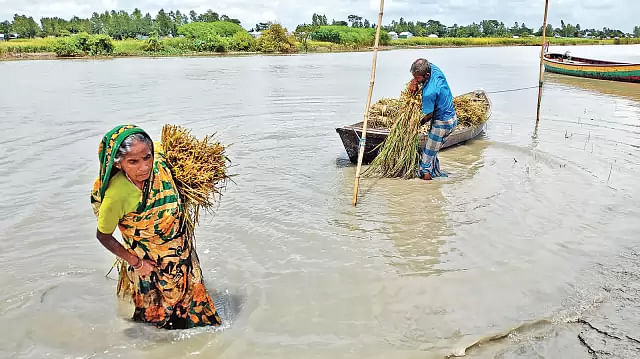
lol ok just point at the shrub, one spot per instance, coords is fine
(83, 44)
(326, 34)
(212, 43)
(101, 45)
(203, 30)
(67, 47)
(355, 37)
(179, 44)
(242, 41)
(275, 39)
(153, 44)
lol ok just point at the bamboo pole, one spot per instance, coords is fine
(544, 36)
(363, 139)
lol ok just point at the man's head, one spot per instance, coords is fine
(421, 70)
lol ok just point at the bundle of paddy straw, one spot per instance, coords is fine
(399, 155)
(199, 169)
(470, 112)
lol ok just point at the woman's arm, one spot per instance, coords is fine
(142, 266)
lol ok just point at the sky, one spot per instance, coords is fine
(619, 14)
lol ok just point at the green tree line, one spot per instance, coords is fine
(116, 24)
(123, 25)
(494, 28)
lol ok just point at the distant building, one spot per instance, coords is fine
(2, 37)
(405, 35)
(394, 35)
(255, 34)
(433, 36)
(515, 36)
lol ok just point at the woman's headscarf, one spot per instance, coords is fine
(106, 154)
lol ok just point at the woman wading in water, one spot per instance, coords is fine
(160, 271)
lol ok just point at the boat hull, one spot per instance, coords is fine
(602, 70)
(350, 136)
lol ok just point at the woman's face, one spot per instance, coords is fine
(137, 164)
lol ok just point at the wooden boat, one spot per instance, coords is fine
(351, 134)
(597, 69)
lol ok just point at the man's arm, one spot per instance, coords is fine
(426, 119)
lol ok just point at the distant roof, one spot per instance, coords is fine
(406, 33)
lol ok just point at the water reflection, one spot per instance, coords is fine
(616, 88)
(413, 215)
(426, 227)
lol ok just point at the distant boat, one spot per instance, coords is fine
(596, 69)
(351, 134)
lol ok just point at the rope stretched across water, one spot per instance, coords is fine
(513, 90)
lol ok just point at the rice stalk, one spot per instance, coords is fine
(470, 111)
(199, 169)
(398, 156)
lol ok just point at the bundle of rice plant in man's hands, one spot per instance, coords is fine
(199, 169)
(399, 156)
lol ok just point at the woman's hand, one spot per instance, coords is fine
(145, 267)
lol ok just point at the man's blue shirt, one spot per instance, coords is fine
(436, 96)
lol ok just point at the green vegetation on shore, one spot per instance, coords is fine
(349, 36)
(243, 42)
(199, 38)
(174, 34)
(505, 41)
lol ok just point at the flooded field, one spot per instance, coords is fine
(528, 249)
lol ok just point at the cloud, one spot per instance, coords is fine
(620, 14)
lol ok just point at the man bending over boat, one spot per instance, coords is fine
(437, 106)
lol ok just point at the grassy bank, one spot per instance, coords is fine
(27, 45)
(506, 41)
(185, 46)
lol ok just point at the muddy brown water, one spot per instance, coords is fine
(534, 229)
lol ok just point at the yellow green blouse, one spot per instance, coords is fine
(120, 198)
